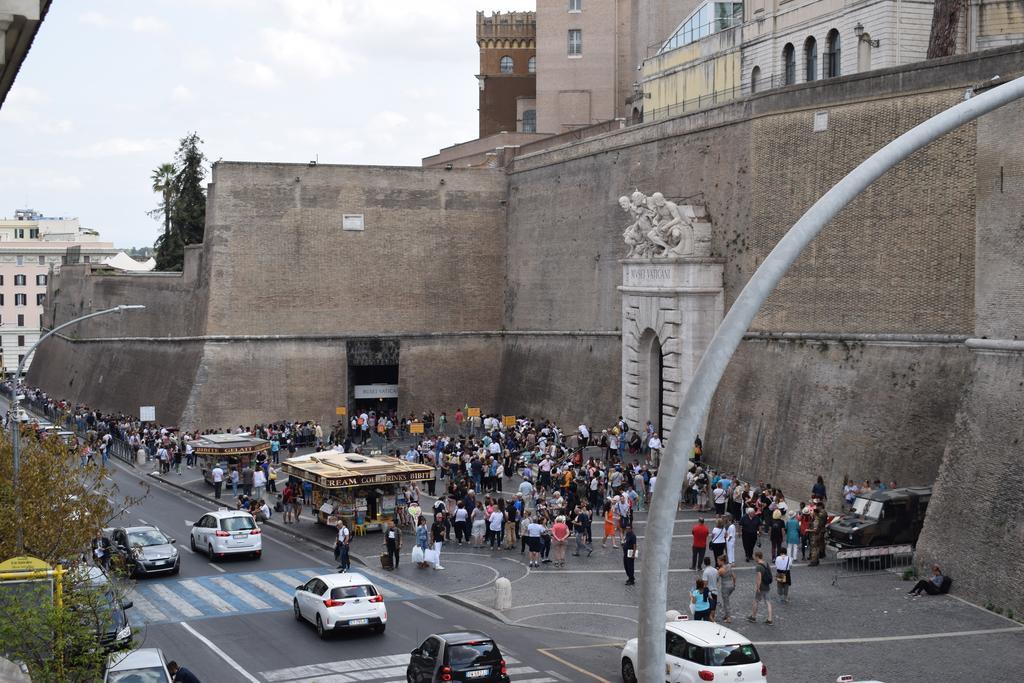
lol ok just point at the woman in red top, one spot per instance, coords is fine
(560, 539)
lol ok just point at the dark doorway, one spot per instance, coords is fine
(373, 363)
(363, 375)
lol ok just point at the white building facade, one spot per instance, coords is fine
(33, 247)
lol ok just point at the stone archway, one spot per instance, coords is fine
(651, 380)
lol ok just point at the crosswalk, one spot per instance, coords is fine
(157, 602)
(385, 669)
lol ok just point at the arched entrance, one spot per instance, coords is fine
(652, 379)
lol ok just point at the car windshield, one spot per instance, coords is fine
(732, 655)
(868, 509)
(468, 655)
(151, 675)
(237, 523)
(147, 537)
(363, 591)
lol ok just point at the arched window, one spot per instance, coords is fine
(832, 63)
(506, 65)
(531, 65)
(811, 58)
(530, 121)
(789, 64)
(755, 79)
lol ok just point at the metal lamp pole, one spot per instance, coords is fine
(17, 399)
(654, 588)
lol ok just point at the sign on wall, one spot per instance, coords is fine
(508, 420)
(473, 412)
(147, 413)
(376, 390)
(415, 427)
(351, 221)
(341, 410)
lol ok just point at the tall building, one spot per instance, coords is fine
(508, 66)
(32, 247)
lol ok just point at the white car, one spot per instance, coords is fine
(226, 532)
(701, 651)
(340, 601)
(145, 665)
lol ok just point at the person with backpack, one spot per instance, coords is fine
(762, 588)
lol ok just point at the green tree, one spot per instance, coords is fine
(186, 203)
(163, 178)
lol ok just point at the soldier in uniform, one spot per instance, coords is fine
(817, 531)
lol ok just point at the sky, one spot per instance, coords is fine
(110, 87)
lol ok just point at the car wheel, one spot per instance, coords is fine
(177, 568)
(380, 628)
(320, 628)
(628, 674)
(209, 552)
(192, 542)
(256, 555)
(298, 612)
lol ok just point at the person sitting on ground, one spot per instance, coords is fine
(936, 585)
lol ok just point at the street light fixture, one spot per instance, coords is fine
(18, 397)
(858, 31)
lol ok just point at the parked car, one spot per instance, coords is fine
(701, 651)
(113, 627)
(335, 602)
(145, 550)
(226, 532)
(457, 656)
(145, 665)
(885, 517)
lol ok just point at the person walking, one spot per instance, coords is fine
(777, 533)
(581, 522)
(719, 497)
(817, 533)
(393, 541)
(700, 544)
(762, 588)
(792, 535)
(560, 539)
(710, 578)
(783, 574)
(496, 525)
(533, 540)
(629, 555)
(217, 474)
(341, 547)
(726, 586)
(730, 539)
(700, 601)
(609, 526)
(750, 525)
(717, 540)
(479, 520)
(461, 517)
(437, 538)
(422, 536)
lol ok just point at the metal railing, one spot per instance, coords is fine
(855, 562)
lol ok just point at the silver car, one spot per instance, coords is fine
(145, 665)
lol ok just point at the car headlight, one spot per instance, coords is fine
(124, 633)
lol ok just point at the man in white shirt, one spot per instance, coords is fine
(584, 435)
(217, 474)
(259, 483)
(341, 547)
(654, 445)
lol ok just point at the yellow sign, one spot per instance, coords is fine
(341, 410)
(23, 564)
(508, 420)
(415, 427)
(473, 412)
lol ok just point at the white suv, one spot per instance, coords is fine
(702, 651)
(340, 601)
(226, 532)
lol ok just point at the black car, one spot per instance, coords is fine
(885, 517)
(459, 656)
(145, 550)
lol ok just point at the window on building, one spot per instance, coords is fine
(811, 59)
(19, 260)
(19, 280)
(1, 299)
(832, 53)
(531, 65)
(40, 280)
(86, 258)
(506, 64)
(19, 233)
(21, 320)
(707, 18)
(789, 64)
(40, 298)
(575, 5)
(755, 79)
(42, 260)
(21, 358)
(575, 41)
(21, 340)
(530, 121)
(21, 299)
(1, 280)
(33, 233)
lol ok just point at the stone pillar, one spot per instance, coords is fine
(676, 303)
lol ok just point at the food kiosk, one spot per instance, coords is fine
(362, 490)
(228, 450)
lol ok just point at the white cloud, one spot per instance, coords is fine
(181, 93)
(309, 55)
(147, 25)
(252, 73)
(94, 19)
(121, 146)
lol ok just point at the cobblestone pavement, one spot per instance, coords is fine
(865, 625)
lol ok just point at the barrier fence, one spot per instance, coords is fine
(855, 562)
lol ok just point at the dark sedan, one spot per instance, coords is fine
(145, 550)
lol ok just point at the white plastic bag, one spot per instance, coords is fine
(431, 556)
(417, 554)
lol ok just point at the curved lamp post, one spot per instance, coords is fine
(17, 398)
(654, 588)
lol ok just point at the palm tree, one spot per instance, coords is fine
(163, 179)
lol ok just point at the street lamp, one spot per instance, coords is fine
(17, 398)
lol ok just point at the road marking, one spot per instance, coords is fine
(206, 595)
(220, 653)
(392, 668)
(239, 592)
(268, 588)
(537, 680)
(174, 601)
(186, 549)
(592, 614)
(558, 676)
(547, 653)
(423, 611)
(143, 522)
(149, 612)
(340, 667)
(885, 639)
(288, 579)
(218, 567)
